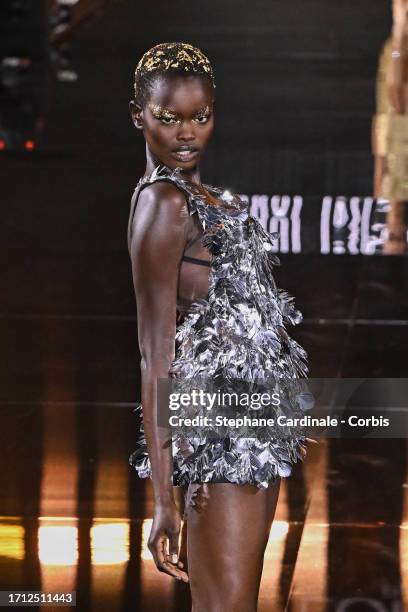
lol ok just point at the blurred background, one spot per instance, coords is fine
(310, 127)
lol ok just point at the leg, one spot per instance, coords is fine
(379, 171)
(179, 498)
(397, 228)
(226, 541)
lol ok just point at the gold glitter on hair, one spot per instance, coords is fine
(176, 56)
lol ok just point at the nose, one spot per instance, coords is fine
(186, 132)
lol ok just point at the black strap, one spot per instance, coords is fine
(195, 260)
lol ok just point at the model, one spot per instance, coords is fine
(207, 305)
(390, 129)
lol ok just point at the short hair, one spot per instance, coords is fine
(174, 58)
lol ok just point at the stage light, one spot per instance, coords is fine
(2, 145)
(110, 542)
(29, 145)
(58, 544)
(15, 62)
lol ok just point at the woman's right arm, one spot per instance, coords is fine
(395, 77)
(159, 235)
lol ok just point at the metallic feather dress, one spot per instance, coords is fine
(237, 334)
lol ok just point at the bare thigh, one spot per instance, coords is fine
(226, 541)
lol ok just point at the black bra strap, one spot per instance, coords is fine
(195, 260)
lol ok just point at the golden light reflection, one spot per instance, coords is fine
(403, 549)
(57, 544)
(12, 540)
(273, 559)
(58, 541)
(278, 531)
(403, 543)
(145, 553)
(60, 458)
(309, 581)
(110, 542)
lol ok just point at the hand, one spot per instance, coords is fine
(165, 531)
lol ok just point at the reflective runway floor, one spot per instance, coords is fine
(73, 514)
(75, 517)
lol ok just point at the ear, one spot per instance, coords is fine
(136, 113)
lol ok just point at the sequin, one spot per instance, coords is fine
(238, 333)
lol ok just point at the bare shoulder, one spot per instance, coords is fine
(161, 212)
(163, 196)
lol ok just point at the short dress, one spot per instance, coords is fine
(236, 335)
(391, 131)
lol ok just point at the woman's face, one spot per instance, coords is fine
(177, 120)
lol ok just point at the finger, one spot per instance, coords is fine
(174, 547)
(166, 567)
(162, 548)
(157, 548)
(178, 563)
(174, 571)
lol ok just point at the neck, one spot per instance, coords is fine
(190, 174)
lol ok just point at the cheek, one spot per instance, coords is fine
(157, 135)
(206, 133)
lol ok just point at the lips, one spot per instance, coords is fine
(185, 153)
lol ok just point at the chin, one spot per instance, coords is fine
(171, 161)
(187, 165)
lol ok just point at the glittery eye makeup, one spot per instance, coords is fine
(168, 117)
(203, 113)
(162, 114)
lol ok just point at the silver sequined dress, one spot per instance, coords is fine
(237, 333)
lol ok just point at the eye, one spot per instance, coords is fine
(202, 118)
(168, 120)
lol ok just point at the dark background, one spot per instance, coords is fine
(295, 96)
